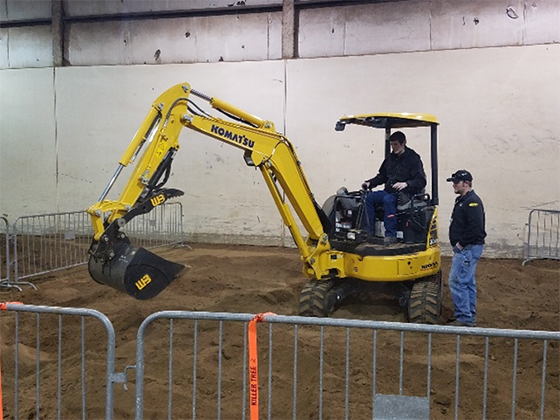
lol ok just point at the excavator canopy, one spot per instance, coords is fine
(388, 120)
(393, 120)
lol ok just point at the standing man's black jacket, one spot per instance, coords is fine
(468, 221)
(406, 167)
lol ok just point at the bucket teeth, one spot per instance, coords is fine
(172, 193)
(157, 197)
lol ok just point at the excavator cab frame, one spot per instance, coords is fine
(412, 212)
(392, 121)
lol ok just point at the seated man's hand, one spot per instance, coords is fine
(399, 186)
(365, 185)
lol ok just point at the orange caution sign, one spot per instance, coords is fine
(254, 365)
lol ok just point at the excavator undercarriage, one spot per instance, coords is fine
(420, 297)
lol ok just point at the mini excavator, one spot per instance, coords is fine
(339, 259)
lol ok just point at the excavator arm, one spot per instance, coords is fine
(142, 274)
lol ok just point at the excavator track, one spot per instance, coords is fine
(424, 304)
(312, 300)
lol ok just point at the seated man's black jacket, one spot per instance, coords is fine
(406, 167)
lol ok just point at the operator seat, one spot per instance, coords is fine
(415, 202)
(412, 216)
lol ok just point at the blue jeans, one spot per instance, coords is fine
(462, 282)
(390, 209)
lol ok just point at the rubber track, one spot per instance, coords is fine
(424, 305)
(312, 298)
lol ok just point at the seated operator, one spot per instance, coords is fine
(402, 171)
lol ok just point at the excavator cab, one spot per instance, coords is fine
(346, 210)
(410, 268)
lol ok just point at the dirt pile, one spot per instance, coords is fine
(244, 279)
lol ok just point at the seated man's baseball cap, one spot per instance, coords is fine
(460, 175)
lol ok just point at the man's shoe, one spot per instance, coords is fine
(389, 240)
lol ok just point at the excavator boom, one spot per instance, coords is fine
(115, 262)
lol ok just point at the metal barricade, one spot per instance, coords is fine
(411, 369)
(4, 250)
(543, 235)
(50, 242)
(163, 226)
(51, 349)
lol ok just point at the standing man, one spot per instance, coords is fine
(466, 233)
(402, 171)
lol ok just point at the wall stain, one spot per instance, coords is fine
(510, 11)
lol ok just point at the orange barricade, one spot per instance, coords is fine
(254, 365)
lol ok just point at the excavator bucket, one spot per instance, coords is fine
(136, 271)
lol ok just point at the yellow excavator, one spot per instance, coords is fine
(339, 259)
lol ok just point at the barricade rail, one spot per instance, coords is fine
(50, 242)
(321, 354)
(543, 235)
(4, 250)
(205, 365)
(75, 365)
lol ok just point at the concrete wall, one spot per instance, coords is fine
(28, 142)
(499, 110)
(78, 77)
(120, 32)
(100, 110)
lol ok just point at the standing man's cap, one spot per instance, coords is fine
(460, 175)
